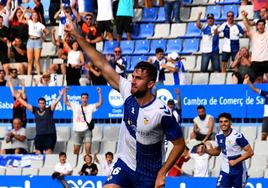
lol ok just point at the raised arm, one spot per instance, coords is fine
(65, 98)
(98, 104)
(23, 102)
(96, 57)
(54, 105)
(11, 88)
(198, 23)
(213, 151)
(246, 23)
(247, 81)
(178, 95)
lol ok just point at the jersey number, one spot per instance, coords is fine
(116, 171)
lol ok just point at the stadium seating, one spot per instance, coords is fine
(149, 14)
(161, 31)
(146, 31)
(200, 79)
(142, 47)
(174, 45)
(127, 47)
(177, 30)
(192, 30)
(228, 8)
(30, 171)
(190, 46)
(217, 78)
(161, 15)
(157, 44)
(216, 10)
(135, 61)
(109, 47)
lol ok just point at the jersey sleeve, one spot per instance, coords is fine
(241, 31)
(171, 127)
(221, 28)
(241, 140)
(216, 142)
(124, 88)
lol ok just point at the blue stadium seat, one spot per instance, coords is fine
(127, 46)
(142, 47)
(158, 44)
(174, 45)
(227, 8)
(216, 10)
(146, 30)
(190, 46)
(187, 2)
(228, 2)
(192, 30)
(135, 32)
(109, 47)
(135, 61)
(128, 58)
(161, 15)
(149, 14)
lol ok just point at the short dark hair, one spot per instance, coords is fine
(261, 21)
(158, 50)
(225, 115)
(62, 154)
(109, 153)
(200, 107)
(41, 99)
(87, 155)
(150, 69)
(230, 12)
(84, 94)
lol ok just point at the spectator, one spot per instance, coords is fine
(5, 12)
(201, 160)
(158, 60)
(53, 7)
(46, 137)
(263, 16)
(203, 125)
(176, 170)
(264, 132)
(124, 17)
(17, 137)
(18, 29)
(75, 61)
(104, 18)
(39, 9)
(231, 32)
(257, 6)
(108, 165)
(118, 62)
(176, 109)
(3, 81)
(34, 44)
(14, 79)
(210, 44)
(89, 30)
(45, 80)
(19, 110)
(172, 6)
(242, 66)
(62, 169)
(89, 168)
(235, 150)
(178, 69)
(4, 36)
(259, 43)
(95, 75)
(82, 117)
(17, 50)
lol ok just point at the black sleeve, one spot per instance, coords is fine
(83, 169)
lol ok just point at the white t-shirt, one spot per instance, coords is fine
(259, 46)
(201, 164)
(16, 143)
(35, 29)
(79, 123)
(105, 11)
(73, 57)
(63, 168)
(107, 168)
(5, 14)
(203, 124)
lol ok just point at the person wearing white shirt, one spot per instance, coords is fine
(62, 169)
(108, 165)
(82, 116)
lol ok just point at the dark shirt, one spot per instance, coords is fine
(97, 80)
(92, 167)
(4, 32)
(40, 11)
(17, 56)
(19, 30)
(19, 111)
(3, 83)
(44, 121)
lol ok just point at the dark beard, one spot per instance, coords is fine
(203, 117)
(139, 94)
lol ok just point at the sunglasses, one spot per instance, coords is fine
(117, 51)
(88, 18)
(230, 15)
(14, 72)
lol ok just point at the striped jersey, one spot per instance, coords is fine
(143, 131)
(210, 42)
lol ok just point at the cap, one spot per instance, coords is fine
(173, 55)
(210, 16)
(171, 101)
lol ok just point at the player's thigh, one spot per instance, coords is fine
(239, 180)
(224, 180)
(112, 186)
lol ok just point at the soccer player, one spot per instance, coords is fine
(145, 125)
(235, 150)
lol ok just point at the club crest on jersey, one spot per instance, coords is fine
(145, 121)
(229, 142)
(133, 110)
(129, 121)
